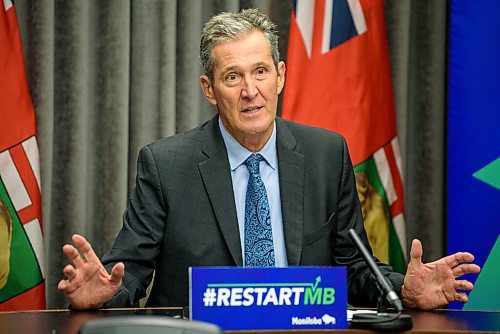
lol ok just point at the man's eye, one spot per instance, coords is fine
(261, 73)
(231, 77)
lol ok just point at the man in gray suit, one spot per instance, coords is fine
(188, 208)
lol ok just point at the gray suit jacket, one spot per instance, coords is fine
(182, 213)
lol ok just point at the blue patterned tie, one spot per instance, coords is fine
(259, 249)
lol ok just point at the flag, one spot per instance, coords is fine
(338, 78)
(22, 285)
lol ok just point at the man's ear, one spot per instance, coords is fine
(281, 76)
(208, 91)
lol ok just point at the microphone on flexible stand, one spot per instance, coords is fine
(380, 321)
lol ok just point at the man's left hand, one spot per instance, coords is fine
(432, 285)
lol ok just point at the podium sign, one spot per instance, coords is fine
(269, 298)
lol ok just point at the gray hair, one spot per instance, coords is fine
(227, 26)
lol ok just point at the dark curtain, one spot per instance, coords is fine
(107, 77)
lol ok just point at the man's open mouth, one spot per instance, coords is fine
(252, 110)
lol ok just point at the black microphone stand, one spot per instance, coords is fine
(382, 320)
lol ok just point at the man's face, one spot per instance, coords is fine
(5, 239)
(245, 88)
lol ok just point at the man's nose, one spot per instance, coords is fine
(249, 89)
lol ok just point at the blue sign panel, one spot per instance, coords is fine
(473, 129)
(269, 298)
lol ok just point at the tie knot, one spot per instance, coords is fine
(252, 163)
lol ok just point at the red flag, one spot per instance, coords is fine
(22, 285)
(338, 78)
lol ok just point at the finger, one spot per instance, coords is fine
(457, 258)
(62, 285)
(461, 297)
(416, 252)
(73, 255)
(466, 268)
(463, 285)
(85, 248)
(70, 272)
(66, 286)
(117, 273)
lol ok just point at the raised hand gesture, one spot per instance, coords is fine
(88, 284)
(432, 285)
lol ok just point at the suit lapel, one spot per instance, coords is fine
(291, 166)
(217, 179)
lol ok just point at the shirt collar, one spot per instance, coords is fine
(237, 154)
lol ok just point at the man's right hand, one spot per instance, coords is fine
(88, 284)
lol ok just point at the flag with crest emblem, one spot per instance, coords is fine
(22, 285)
(338, 78)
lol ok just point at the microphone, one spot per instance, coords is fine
(383, 282)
